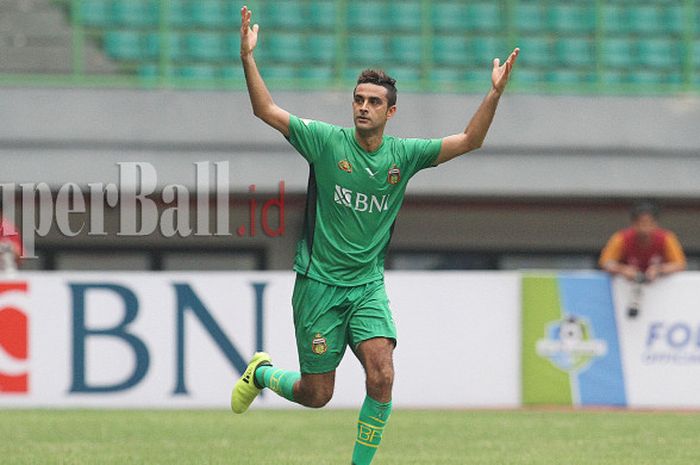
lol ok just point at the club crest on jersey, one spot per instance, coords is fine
(394, 175)
(319, 346)
(345, 166)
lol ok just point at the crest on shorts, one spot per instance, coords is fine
(345, 166)
(394, 175)
(319, 346)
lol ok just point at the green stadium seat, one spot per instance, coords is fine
(136, 13)
(196, 72)
(232, 73)
(695, 54)
(659, 53)
(614, 77)
(322, 14)
(484, 16)
(213, 14)
(569, 77)
(349, 74)
(320, 74)
(233, 46)
(405, 16)
(321, 48)
(96, 13)
(485, 48)
(575, 51)
(367, 15)
(285, 47)
(675, 78)
(645, 19)
(618, 52)
(674, 19)
(282, 73)
(282, 14)
(451, 50)
(177, 47)
(406, 76)
(206, 46)
(524, 76)
(148, 71)
(572, 18)
(529, 17)
(406, 49)
(647, 77)
(367, 50)
(450, 79)
(450, 16)
(131, 45)
(614, 18)
(442, 76)
(536, 51)
(178, 13)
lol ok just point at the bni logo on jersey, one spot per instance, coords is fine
(14, 338)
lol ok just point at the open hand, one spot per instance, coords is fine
(249, 36)
(501, 72)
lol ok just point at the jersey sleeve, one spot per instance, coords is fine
(421, 153)
(612, 252)
(672, 249)
(309, 137)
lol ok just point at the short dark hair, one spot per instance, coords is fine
(379, 78)
(644, 207)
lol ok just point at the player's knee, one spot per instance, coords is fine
(381, 378)
(316, 395)
(319, 398)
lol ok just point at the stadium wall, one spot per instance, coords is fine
(179, 340)
(552, 146)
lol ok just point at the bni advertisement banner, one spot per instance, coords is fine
(172, 340)
(571, 352)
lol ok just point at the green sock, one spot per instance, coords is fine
(280, 381)
(370, 427)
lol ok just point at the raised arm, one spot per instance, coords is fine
(261, 100)
(473, 136)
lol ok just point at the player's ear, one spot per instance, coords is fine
(390, 112)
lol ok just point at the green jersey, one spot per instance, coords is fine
(352, 200)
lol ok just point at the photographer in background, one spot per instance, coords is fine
(642, 252)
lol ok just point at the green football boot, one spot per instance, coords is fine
(246, 389)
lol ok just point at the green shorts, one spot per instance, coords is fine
(328, 318)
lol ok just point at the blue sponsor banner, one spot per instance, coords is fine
(588, 298)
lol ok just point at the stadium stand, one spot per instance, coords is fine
(323, 42)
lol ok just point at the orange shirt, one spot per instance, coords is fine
(9, 233)
(625, 247)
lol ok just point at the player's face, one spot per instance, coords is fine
(645, 224)
(370, 107)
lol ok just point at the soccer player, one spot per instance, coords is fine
(358, 177)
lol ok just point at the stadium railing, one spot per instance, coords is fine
(583, 46)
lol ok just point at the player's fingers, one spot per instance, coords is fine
(514, 55)
(255, 28)
(496, 62)
(509, 66)
(244, 20)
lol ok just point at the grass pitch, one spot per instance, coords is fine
(325, 437)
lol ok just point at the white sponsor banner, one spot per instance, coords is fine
(171, 340)
(661, 346)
